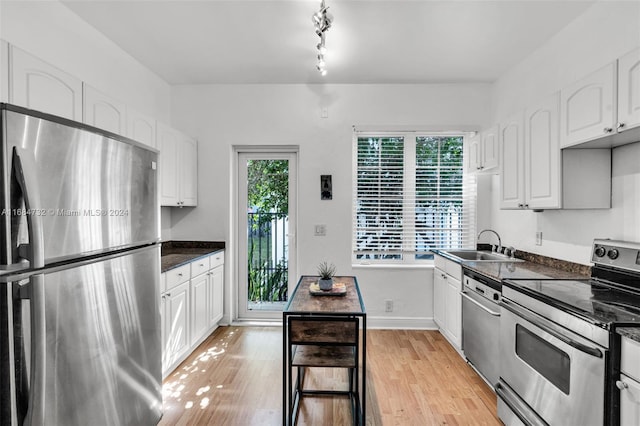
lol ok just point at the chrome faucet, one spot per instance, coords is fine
(499, 248)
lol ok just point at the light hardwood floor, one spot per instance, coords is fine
(414, 378)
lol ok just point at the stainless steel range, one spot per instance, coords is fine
(560, 353)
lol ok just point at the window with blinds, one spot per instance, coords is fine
(411, 195)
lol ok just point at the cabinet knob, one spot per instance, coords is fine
(608, 130)
(520, 205)
(621, 385)
(526, 206)
(167, 294)
(620, 126)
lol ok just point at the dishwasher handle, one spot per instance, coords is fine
(480, 305)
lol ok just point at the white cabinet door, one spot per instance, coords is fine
(588, 107)
(177, 314)
(490, 148)
(473, 154)
(629, 401)
(141, 127)
(168, 142)
(178, 168)
(439, 286)
(37, 85)
(104, 112)
(453, 312)
(199, 307)
(216, 298)
(629, 91)
(542, 157)
(188, 169)
(511, 164)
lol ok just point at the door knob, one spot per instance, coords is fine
(621, 385)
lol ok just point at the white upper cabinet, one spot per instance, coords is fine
(104, 112)
(542, 155)
(629, 91)
(168, 146)
(473, 153)
(178, 168)
(484, 151)
(511, 163)
(603, 106)
(588, 107)
(188, 168)
(141, 127)
(490, 148)
(37, 85)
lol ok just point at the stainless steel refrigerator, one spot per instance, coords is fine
(80, 335)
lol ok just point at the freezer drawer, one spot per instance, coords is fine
(95, 346)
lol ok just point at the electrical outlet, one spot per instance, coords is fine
(388, 305)
(320, 230)
(539, 238)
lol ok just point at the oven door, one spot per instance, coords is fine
(557, 373)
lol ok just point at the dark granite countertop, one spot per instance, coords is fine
(632, 333)
(178, 253)
(533, 267)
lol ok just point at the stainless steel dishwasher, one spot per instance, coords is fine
(481, 324)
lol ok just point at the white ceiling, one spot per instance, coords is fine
(371, 41)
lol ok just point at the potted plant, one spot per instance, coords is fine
(326, 272)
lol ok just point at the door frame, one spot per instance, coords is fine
(291, 153)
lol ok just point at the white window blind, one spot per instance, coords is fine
(411, 194)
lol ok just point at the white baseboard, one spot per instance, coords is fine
(401, 323)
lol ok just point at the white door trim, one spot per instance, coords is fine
(266, 152)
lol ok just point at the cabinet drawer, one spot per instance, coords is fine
(177, 276)
(217, 259)
(629, 358)
(449, 266)
(200, 266)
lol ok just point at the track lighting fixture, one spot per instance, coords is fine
(321, 22)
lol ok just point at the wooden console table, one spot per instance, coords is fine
(324, 331)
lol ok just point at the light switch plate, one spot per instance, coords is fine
(320, 230)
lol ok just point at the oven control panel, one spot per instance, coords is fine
(619, 254)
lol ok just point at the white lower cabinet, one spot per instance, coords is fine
(216, 294)
(447, 302)
(629, 383)
(176, 313)
(192, 306)
(199, 307)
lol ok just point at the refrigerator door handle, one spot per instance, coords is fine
(24, 164)
(36, 406)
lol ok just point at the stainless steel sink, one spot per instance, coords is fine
(481, 256)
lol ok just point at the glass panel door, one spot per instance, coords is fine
(266, 241)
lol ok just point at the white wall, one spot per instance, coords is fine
(221, 116)
(603, 33)
(51, 32)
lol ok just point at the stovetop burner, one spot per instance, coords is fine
(612, 295)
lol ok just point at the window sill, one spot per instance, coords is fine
(393, 266)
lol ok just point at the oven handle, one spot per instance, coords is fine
(479, 305)
(543, 324)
